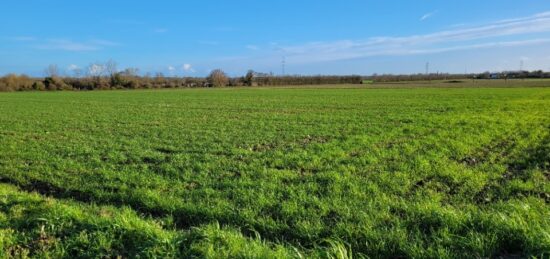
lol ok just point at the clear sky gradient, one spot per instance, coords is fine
(316, 37)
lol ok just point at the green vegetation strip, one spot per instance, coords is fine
(276, 173)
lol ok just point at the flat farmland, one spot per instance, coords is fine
(276, 173)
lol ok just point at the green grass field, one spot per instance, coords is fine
(264, 173)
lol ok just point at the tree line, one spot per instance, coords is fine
(106, 76)
(447, 76)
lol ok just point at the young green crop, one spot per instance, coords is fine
(330, 173)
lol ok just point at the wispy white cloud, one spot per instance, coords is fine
(171, 70)
(437, 42)
(68, 45)
(252, 47)
(524, 58)
(75, 70)
(96, 69)
(519, 43)
(22, 38)
(457, 25)
(73, 67)
(428, 15)
(188, 68)
(105, 43)
(76, 46)
(344, 52)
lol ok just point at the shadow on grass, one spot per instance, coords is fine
(184, 217)
(532, 166)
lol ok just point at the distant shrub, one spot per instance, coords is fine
(4, 87)
(101, 83)
(454, 82)
(38, 86)
(218, 78)
(249, 78)
(14, 82)
(117, 80)
(129, 80)
(56, 83)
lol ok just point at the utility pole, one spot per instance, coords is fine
(521, 69)
(427, 68)
(283, 64)
(521, 65)
(428, 71)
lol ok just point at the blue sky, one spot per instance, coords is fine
(316, 37)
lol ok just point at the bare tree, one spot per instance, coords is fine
(95, 70)
(131, 71)
(217, 78)
(159, 80)
(110, 67)
(77, 72)
(249, 78)
(52, 71)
